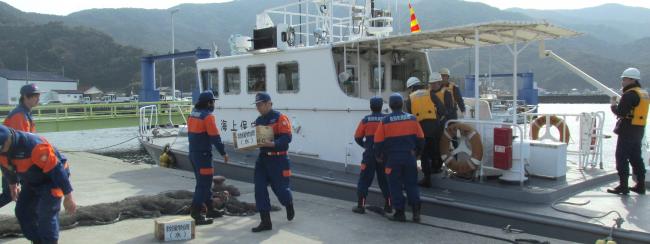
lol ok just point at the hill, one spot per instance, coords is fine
(610, 42)
(90, 56)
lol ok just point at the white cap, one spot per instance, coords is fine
(632, 73)
(444, 71)
(412, 81)
(435, 77)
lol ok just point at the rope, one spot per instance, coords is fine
(101, 148)
(618, 221)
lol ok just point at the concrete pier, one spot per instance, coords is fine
(99, 179)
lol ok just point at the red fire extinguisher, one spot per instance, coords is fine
(503, 148)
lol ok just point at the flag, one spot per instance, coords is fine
(415, 27)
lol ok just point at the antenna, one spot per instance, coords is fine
(27, 67)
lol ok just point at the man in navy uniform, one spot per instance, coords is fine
(272, 165)
(44, 175)
(365, 136)
(20, 118)
(203, 134)
(399, 139)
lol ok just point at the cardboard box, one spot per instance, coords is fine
(252, 137)
(174, 229)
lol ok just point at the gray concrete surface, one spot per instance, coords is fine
(99, 179)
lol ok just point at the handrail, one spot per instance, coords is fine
(89, 111)
(521, 171)
(586, 155)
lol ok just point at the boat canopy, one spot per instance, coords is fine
(491, 33)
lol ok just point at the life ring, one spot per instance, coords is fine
(555, 121)
(460, 165)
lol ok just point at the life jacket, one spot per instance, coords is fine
(639, 114)
(452, 88)
(422, 106)
(441, 95)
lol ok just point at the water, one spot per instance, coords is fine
(117, 143)
(121, 142)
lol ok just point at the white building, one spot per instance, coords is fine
(66, 96)
(12, 80)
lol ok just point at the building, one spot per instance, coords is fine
(93, 94)
(12, 80)
(66, 96)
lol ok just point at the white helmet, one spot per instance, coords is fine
(632, 73)
(435, 77)
(412, 81)
(444, 71)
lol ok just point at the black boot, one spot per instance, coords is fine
(621, 188)
(398, 216)
(199, 218)
(361, 205)
(425, 182)
(290, 212)
(639, 188)
(416, 213)
(213, 212)
(265, 224)
(387, 206)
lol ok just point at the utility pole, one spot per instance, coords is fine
(173, 60)
(27, 67)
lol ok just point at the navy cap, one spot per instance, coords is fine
(262, 97)
(30, 89)
(376, 101)
(4, 134)
(395, 100)
(206, 96)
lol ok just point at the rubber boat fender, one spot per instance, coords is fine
(167, 158)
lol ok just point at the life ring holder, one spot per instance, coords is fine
(458, 131)
(553, 120)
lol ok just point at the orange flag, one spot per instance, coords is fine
(415, 27)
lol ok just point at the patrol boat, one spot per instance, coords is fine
(318, 59)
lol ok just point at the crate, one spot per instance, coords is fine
(251, 138)
(174, 229)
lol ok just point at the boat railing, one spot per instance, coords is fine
(588, 145)
(485, 127)
(149, 125)
(148, 119)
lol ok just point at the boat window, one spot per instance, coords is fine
(288, 77)
(256, 78)
(374, 77)
(399, 77)
(406, 68)
(348, 81)
(232, 80)
(210, 81)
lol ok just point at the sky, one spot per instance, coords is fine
(64, 7)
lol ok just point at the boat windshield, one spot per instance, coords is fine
(359, 74)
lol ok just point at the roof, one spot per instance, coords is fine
(68, 92)
(33, 76)
(491, 33)
(93, 91)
